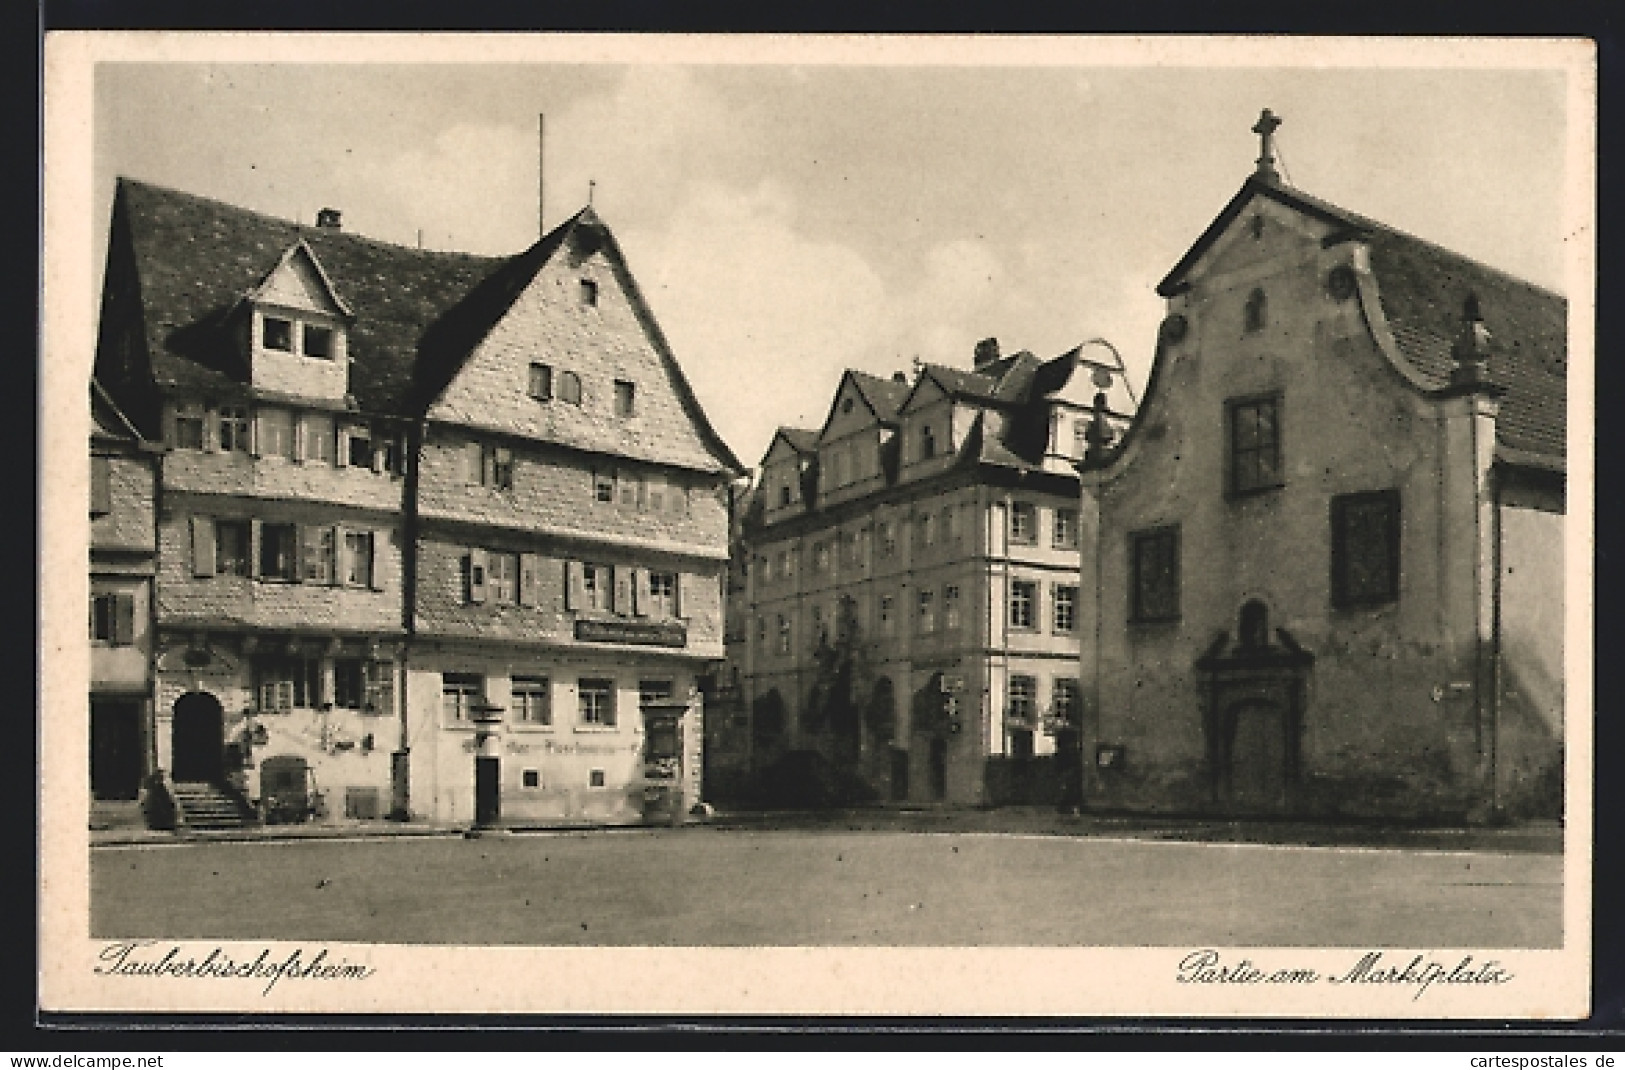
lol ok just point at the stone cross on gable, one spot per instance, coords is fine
(1265, 128)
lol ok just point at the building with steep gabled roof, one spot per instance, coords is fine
(1331, 542)
(909, 578)
(417, 507)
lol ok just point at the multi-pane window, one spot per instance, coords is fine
(1023, 698)
(316, 430)
(112, 619)
(888, 615)
(1154, 575)
(279, 552)
(1066, 705)
(629, 489)
(318, 554)
(189, 426)
(288, 683)
(1024, 523)
(784, 634)
(231, 539)
(1066, 529)
(1255, 444)
(662, 594)
(541, 382)
(950, 607)
(603, 486)
(234, 428)
(1365, 548)
(318, 341)
(495, 466)
(888, 538)
(597, 698)
(502, 578)
(275, 433)
(625, 398)
(531, 702)
(358, 563)
(1066, 609)
(928, 613)
(597, 586)
(1023, 603)
(459, 692)
(277, 333)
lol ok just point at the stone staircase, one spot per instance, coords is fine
(207, 807)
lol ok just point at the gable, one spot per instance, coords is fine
(780, 451)
(1264, 236)
(926, 393)
(604, 341)
(297, 282)
(849, 413)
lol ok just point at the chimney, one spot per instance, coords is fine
(1471, 349)
(987, 351)
(328, 219)
(899, 377)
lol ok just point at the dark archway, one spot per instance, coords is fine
(115, 749)
(198, 738)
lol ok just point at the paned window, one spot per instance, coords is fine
(358, 562)
(662, 594)
(1023, 603)
(1066, 529)
(189, 426)
(112, 619)
(597, 697)
(231, 538)
(1255, 445)
(1066, 609)
(1154, 575)
(1066, 705)
(928, 443)
(1365, 548)
(275, 433)
(950, 607)
(603, 486)
(317, 431)
(349, 683)
(928, 614)
(532, 704)
(279, 552)
(459, 691)
(888, 539)
(1023, 523)
(318, 554)
(784, 634)
(597, 585)
(234, 429)
(1023, 698)
(289, 683)
(888, 615)
(502, 578)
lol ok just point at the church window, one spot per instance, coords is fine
(1255, 444)
(1154, 575)
(1365, 548)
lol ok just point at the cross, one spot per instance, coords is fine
(1265, 129)
(591, 184)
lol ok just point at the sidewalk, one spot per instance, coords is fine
(1534, 837)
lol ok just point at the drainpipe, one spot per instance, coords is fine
(1495, 644)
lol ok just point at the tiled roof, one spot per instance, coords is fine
(107, 420)
(963, 384)
(885, 396)
(196, 257)
(800, 439)
(1423, 288)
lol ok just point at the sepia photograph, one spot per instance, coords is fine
(575, 523)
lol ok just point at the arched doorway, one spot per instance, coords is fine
(198, 738)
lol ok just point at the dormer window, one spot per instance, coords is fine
(277, 334)
(784, 495)
(318, 342)
(589, 292)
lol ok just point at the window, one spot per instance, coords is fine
(231, 547)
(784, 494)
(603, 486)
(630, 489)
(888, 539)
(1023, 698)
(317, 554)
(1066, 609)
(596, 586)
(1255, 313)
(531, 704)
(530, 778)
(112, 619)
(654, 494)
(597, 702)
(459, 691)
(950, 524)
(275, 433)
(928, 443)
(928, 615)
(1024, 523)
(189, 426)
(820, 557)
(662, 594)
(1154, 575)
(277, 333)
(358, 447)
(378, 696)
(101, 486)
(1066, 529)
(1066, 706)
(787, 564)
(288, 683)
(1365, 548)
(318, 342)
(1255, 445)
(496, 467)
(570, 388)
(349, 683)
(1023, 601)
(652, 691)
(541, 382)
(924, 534)
(595, 778)
(950, 607)
(589, 292)
(784, 634)
(358, 562)
(888, 615)
(316, 431)
(625, 398)
(818, 623)
(279, 552)
(234, 429)
(502, 578)
(1080, 438)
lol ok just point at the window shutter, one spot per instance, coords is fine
(529, 578)
(375, 580)
(477, 564)
(211, 428)
(297, 429)
(284, 695)
(640, 592)
(473, 463)
(377, 455)
(202, 546)
(341, 556)
(124, 620)
(334, 577)
(254, 536)
(623, 591)
(575, 592)
(341, 445)
(677, 594)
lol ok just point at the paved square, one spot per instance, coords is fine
(702, 886)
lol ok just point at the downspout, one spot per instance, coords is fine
(416, 433)
(1495, 644)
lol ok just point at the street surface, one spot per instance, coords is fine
(708, 886)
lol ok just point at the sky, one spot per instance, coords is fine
(788, 221)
